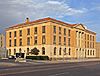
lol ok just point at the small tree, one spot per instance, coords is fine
(35, 51)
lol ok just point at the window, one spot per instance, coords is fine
(14, 42)
(59, 40)
(68, 32)
(20, 32)
(59, 30)
(27, 51)
(28, 41)
(20, 51)
(43, 29)
(14, 51)
(54, 39)
(68, 41)
(43, 39)
(60, 51)
(69, 51)
(9, 43)
(64, 40)
(54, 50)
(88, 37)
(35, 30)
(65, 51)
(54, 29)
(43, 51)
(9, 34)
(35, 40)
(28, 31)
(20, 42)
(14, 33)
(9, 51)
(93, 52)
(64, 31)
(88, 52)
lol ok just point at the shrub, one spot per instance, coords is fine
(37, 57)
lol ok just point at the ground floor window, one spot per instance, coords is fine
(9, 51)
(43, 51)
(14, 51)
(69, 51)
(60, 51)
(54, 50)
(27, 51)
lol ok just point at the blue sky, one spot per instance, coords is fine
(86, 12)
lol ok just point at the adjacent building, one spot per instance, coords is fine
(53, 38)
(98, 49)
(1, 40)
(2, 45)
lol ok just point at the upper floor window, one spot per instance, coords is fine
(54, 29)
(20, 32)
(54, 39)
(14, 42)
(64, 31)
(59, 30)
(28, 31)
(68, 41)
(35, 39)
(35, 30)
(20, 42)
(43, 39)
(68, 32)
(14, 33)
(59, 40)
(43, 29)
(9, 43)
(28, 41)
(9, 34)
(64, 40)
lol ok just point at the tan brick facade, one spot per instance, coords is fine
(60, 40)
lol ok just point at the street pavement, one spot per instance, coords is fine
(55, 69)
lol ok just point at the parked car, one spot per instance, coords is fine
(11, 57)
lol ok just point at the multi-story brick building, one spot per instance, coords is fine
(52, 37)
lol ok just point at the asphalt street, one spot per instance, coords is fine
(61, 69)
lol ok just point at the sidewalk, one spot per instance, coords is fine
(61, 61)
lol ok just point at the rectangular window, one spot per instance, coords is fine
(88, 37)
(9, 43)
(27, 51)
(59, 30)
(35, 30)
(14, 33)
(59, 40)
(9, 34)
(43, 29)
(68, 32)
(20, 32)
(14, 51)
(68, 41)
(35, 40)
(64, 40)
(14, 42)
(54, 39)
(28, 31)
(54, 29)
(20, 42)
(43, 39)
(64, 31)
(28, 41)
